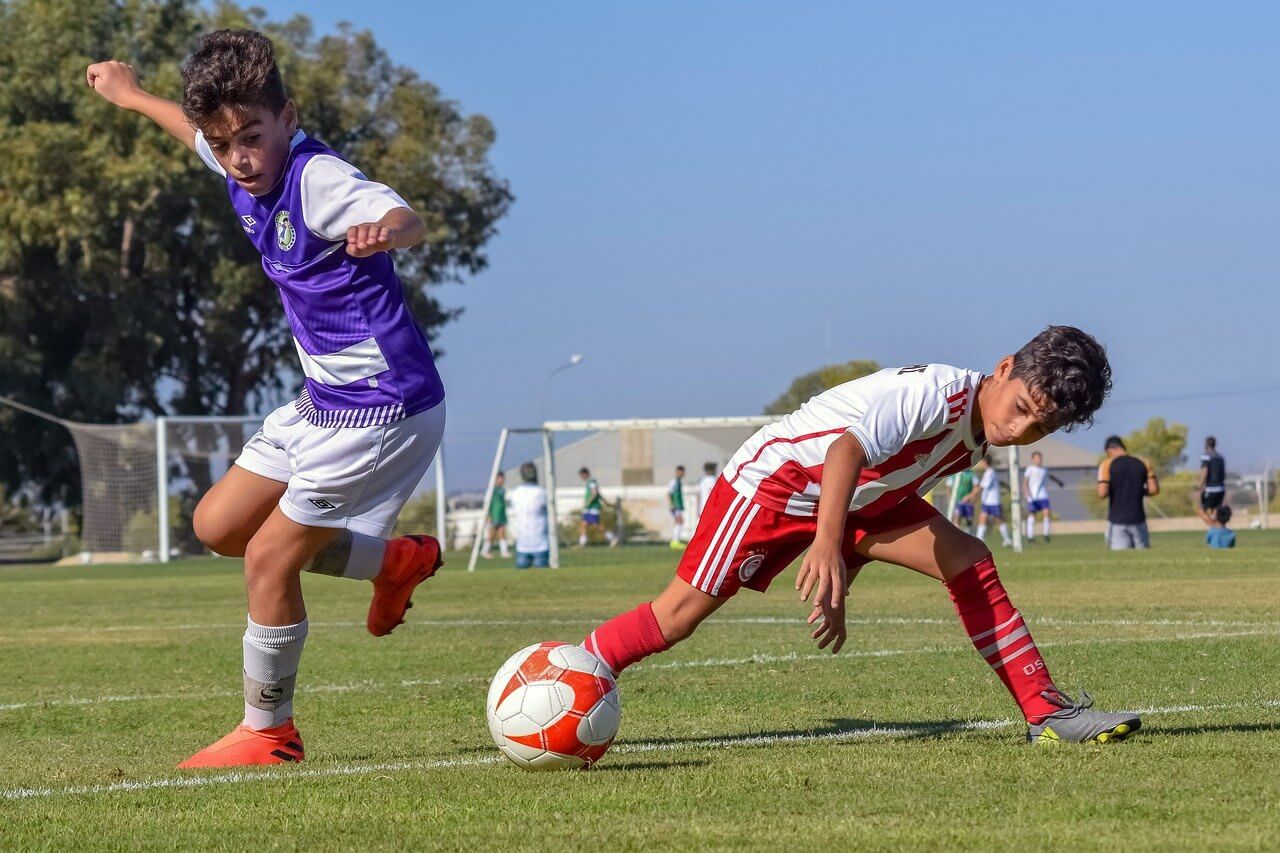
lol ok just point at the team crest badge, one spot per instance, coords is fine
(285, 235)
(750, 566)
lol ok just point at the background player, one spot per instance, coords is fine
(1035, 486)
(529, 509)
(992, 502)
(842, 477)
(319, 487)
(592, 506)
(1213, 481)
(675, 502)
(497, 519)
(963, 487)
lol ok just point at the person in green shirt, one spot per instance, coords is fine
(497, 519)
(962, 515)
(592, 505)
(675, 502)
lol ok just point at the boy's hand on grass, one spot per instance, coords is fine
(824, 568)
(115, 81)
(370, 238)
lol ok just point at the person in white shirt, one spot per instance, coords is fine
(989, 487)
(527, 504)
(1035, 482)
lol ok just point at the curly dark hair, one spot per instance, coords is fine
(1068, 370)
(231, 68)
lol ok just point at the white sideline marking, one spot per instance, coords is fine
(718, 620)
(237, 777)
(791, 657)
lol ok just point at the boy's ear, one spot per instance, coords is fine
(1003, 367)
(289, 112)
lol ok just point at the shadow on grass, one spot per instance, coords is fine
(1185, 731)
(616, 764)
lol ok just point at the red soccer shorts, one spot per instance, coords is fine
(740, 543)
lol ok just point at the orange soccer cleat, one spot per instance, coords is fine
(246, 746)
(408, 562)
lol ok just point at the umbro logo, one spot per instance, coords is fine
(321, 503)
(249, 223)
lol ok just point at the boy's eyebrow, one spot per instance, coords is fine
(240, 129)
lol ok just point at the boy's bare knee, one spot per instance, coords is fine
(216, 535)
(973, 551)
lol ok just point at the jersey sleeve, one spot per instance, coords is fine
(337, 195)
(206, 154)
(897, 417)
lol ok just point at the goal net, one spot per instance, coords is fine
(632, 460)
(141, 482)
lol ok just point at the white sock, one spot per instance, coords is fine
(271, 656)
(486, 547)
(1031, 526)
(1046, 526)
(350, 555)
(1004, 533)
(982, 531)
(582, 539)
(503, 549)
(675, 533)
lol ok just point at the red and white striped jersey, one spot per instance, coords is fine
(915, 424)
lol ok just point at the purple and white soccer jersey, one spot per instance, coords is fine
(369, 420)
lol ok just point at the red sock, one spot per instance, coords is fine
(627, 638)
(998, 633)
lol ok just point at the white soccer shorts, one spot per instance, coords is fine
(357, 478)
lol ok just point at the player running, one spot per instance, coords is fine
(992, 503)
(319, 487)
(843, 475)
(592, 506)
(675, 503)
(1035, 485)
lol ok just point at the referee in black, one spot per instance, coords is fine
(1213, 481)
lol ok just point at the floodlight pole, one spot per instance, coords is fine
(553, 517)
(574, 361)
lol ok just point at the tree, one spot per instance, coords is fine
(804, 387)
(1160, 444)
(126, 286)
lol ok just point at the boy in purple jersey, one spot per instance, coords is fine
(319, 487)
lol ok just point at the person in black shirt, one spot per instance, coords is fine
(1213, 481)
(1125, 481)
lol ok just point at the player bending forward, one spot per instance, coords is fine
(843, 477)
(319, 487)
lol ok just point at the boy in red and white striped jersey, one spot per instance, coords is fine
(843, 476)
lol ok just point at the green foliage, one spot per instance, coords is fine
(122, 269)
(1159, 444)
(804, 387)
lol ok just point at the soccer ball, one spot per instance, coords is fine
(553, 706)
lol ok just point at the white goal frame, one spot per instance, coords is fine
(548, 431)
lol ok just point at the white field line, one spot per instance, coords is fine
(741, 741)
(591, 620)
(792, 657)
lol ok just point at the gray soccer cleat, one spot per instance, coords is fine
(1077, 722)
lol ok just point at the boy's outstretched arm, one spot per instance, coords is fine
(117, 83)
(823, 564)
(400, 228)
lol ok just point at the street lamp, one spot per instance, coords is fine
(574, 361)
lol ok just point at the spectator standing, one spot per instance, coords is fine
(1126, 481)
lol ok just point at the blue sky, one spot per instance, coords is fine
(714, 197)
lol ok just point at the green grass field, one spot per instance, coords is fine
(742, 737)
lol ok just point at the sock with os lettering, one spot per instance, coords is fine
(271, 656)
(997, 631)
(350, 555)
(627, 638)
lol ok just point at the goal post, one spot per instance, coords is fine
(734, 430)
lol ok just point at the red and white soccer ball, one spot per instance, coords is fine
(553, 705)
